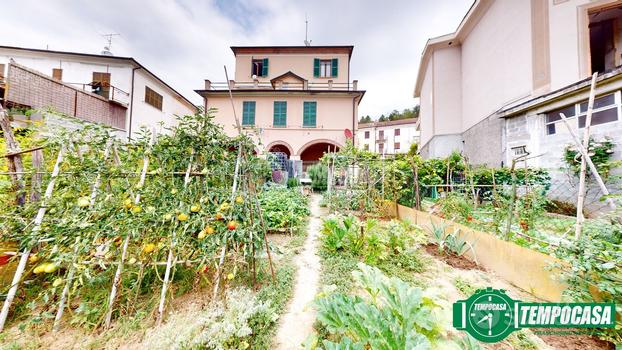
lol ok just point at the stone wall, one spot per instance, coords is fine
(483, 142)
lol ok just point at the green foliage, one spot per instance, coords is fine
(600, 153)
(293, 182)
(451, 242)
(339, 232)
(283, 207)
(230, 324)
(319, 176)
(393, 315)
(455, 206)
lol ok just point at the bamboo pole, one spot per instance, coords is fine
(25, 254)
(586, 144)
(586, 156)
(37, 165)
(117, 277)
(171, 255)
(72, 268)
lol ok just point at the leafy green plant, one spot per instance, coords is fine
(283, 207)
(601, 153)
(393, 315)
(336, 230)
(319, 176)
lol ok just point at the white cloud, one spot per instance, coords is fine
(186, 41)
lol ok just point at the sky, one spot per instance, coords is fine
(187, 41)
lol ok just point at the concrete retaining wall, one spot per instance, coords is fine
(523, 267)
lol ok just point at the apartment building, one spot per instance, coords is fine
(390, 137)
(295, 100)
(115, 91)
(494, 88)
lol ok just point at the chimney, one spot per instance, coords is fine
(355, 84)
(208, 84)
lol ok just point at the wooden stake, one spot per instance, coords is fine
(37, 177)
(586, 144)
(26, 253)
(15, 159)
(593, 170)
(72, 268)
(117, 277)
(169, 260)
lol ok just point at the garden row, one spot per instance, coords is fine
(124, 226)
(510, 204)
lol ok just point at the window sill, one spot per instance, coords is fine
(309, 126)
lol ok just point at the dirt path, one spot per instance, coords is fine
(297, 322)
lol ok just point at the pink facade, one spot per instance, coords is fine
(297, 100)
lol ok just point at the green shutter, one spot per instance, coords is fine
(264, 71)
(309, 114)
(335, 67)
(248, 113)
(316, 67)
(280, 113)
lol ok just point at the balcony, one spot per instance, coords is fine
(107, 91)
(279, 85)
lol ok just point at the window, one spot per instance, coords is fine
(605, 42)
(325, 68)
(57, 73)
(280, 113)
(605, 111)
(248, 113)
(366, 134)
(153, 98)
(553, 117)
(381, 134)
(520, 150)
(397, 132)
(396, 145)
(381, 148)
(309, 114)
(259, 67)
(101, 84)
(1, 71)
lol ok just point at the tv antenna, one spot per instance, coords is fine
(307, 41)
(107, 48)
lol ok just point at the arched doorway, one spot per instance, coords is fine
(313, 151)
(279, 148)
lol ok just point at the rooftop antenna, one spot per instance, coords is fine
(107, 48)
(307, 41)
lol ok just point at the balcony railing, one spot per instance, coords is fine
(266, 85)
(106, 91)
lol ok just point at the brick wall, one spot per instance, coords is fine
(37, 90)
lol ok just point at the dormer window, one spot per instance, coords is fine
(260, 67)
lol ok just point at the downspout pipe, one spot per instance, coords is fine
(129, 133)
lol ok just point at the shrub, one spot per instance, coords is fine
(319, 176)
(283, 208)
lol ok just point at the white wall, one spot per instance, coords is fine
(426, 106)
(144, 114)
(496, 60)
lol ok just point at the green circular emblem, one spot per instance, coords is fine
(489, 315)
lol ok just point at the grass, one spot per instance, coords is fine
(337, 270)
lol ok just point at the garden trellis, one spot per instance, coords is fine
(103, 225)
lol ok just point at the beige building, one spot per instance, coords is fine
(493, 88)
(390, 137)
(298, 100)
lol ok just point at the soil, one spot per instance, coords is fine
(453, 260)
(575, 342)
(296, 324)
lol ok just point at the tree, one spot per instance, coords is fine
(365, 120)
(382, 118)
